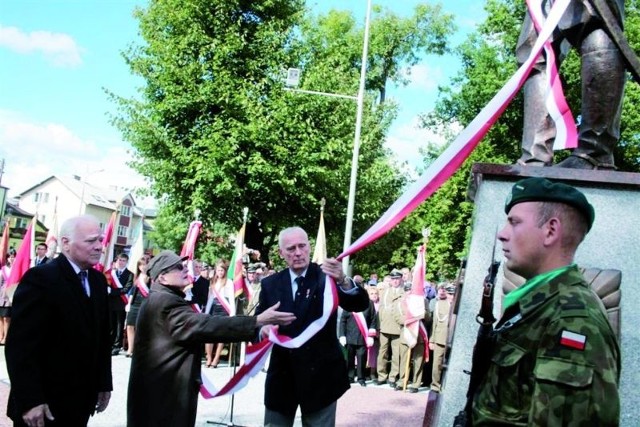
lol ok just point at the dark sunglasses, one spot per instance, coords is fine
(178, 267)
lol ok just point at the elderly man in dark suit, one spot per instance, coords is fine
(313, 376)
(58, 349)
(165, 372)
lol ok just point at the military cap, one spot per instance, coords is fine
(372, 282)
(543, 190)
(163, 262)
(442, 285)
(395, 273)
(251, 268)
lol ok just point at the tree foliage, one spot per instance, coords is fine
(213, 128)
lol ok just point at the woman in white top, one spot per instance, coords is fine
(220, 302)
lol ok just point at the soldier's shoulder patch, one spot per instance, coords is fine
(573, 339)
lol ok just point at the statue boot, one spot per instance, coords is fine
(603, 79)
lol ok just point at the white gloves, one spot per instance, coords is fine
(343, 341)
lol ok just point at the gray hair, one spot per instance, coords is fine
(288, 231)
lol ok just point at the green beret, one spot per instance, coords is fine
(543, 190)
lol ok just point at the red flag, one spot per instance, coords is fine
(189, 245)
(414, 305)
(4, 244)
(235, 269)
(23, 258)
(107, 246)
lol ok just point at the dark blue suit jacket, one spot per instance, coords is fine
(314, 375)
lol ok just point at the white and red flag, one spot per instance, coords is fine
(23, 258)
(189, 246)
(107, 245)
(413, 307)
(52, 235)
(234, 273)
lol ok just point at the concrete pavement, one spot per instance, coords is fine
(360, 406)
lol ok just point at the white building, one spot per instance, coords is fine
(58, 198)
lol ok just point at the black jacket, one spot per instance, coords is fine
(58, 348)
(314, 375)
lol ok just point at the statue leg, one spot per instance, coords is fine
(538, 129)
(603, 78)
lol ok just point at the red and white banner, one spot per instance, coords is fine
(460, 149)
(413, 307)
(557, 107)
(189, 246)
(108, 245)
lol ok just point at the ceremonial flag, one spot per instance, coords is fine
(4, 244)
(52, 235)
(189, 246)
(320, 251)
(137, 248)
(234, 273)
(414, 306)
(107, 246)
(23, 258)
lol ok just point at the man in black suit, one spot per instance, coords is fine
(200, 290)
(41, 254)
(313, 376)
(58, 347)
(120, 282)
(356, 344)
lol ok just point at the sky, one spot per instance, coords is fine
(58, 56)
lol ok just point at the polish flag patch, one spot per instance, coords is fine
(573, 340)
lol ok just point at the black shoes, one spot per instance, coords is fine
(412, 389)
(362, 383)
(115, 352)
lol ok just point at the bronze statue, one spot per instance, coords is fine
(603, 79)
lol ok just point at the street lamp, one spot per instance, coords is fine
(356, 141)
(84, 185)
(293, 78)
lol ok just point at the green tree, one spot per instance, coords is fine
(214, 129)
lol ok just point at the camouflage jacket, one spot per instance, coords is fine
(556, 361)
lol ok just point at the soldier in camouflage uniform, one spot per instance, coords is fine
(556, 360)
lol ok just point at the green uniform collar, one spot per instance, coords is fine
(533, 283)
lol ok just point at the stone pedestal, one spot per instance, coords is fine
(613, 242)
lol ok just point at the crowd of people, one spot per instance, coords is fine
(177, 322)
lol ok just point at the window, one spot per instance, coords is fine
(21, 223)
(122, 230)
(42, 218)
(45, 197)
(125, 210)
(36, 197)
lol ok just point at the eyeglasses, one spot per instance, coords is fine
(177, 267)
